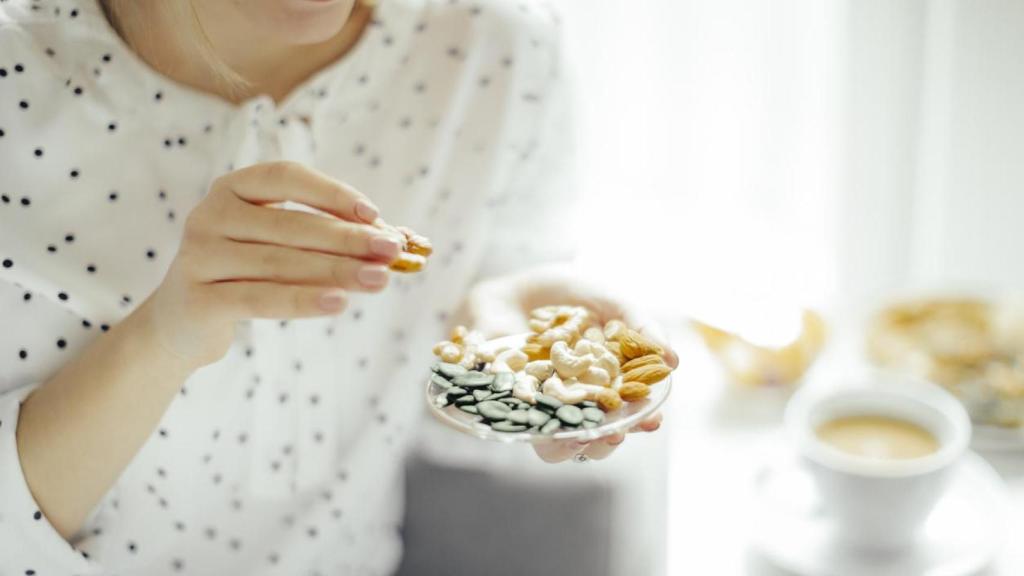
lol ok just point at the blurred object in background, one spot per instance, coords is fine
(753, 360)
(972, 346)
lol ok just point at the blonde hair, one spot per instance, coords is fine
(127, 19)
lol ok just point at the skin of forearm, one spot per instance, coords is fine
(80, 429)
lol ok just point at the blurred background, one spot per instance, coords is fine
(787, 155)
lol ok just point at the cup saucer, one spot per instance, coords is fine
(961, 536)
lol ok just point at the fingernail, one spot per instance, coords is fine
(373, 276)
(332, 301)
(385, 246)
(368, 212)
(615, 440)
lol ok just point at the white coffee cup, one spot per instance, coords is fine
(879, 504)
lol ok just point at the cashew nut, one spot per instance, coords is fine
(594, 334)
(596, 376)
(540, 369)
(525, 388)
(614, 329)
(567, 391)
(448, 351)
(511, 360)
(570, 390)
(559, 323)
(568, 364)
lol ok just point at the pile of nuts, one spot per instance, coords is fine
(570, 372)
(415, 248)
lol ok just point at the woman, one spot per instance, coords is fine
(193, 380)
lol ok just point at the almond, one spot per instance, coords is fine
(609, 400)
(635, 345)
(650, 374)
(642, 361)
(633, 391)
(616, 349)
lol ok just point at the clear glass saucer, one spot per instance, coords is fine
(621, 420)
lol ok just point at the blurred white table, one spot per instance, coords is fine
(718, 436)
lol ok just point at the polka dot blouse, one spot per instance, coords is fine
(284, 457)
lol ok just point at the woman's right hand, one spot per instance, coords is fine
(242, 258)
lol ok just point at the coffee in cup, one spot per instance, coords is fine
(880, 451)
(878, 437)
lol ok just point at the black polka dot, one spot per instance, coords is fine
(104, 327)
(162, 195)
(170, 215)
(151, 254)
(86, 324)
(74, 173)
(69, 238)
(78, 90)
(38, 152)
(19, 68)
(112, 127)
(62, 343)
(23, 104)
(8, 263)
(23, 354)
(27, 296)
(158, 96)
(106, 58)
(74, 12)
(30, 572)
(132, 547)
(112, 196)
(63, 296)
(51, 248)
(182, 141)
(26, 201)
(91, 268)
(2, 132)
(50, 52)
(37, 515)
(5, 198)
(3, 72)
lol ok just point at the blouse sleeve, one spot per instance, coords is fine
(533, 216)
(28, 320)
(28, 543)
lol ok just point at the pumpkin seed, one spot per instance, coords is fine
(493, 410)
(450, 370)
(592, 414)
(551, 427)
(506, 426)
(570, 415)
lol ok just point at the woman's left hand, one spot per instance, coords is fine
(501, 306)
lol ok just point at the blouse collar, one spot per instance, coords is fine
(382, 46)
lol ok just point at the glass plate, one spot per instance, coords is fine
(620, 420)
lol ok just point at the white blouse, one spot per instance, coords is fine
(285, 457)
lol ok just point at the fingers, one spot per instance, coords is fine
(649, 425)
(601, 449)
(559, 450)
(273, 182)
(270, 300)
(240, 261)
(267, 225)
